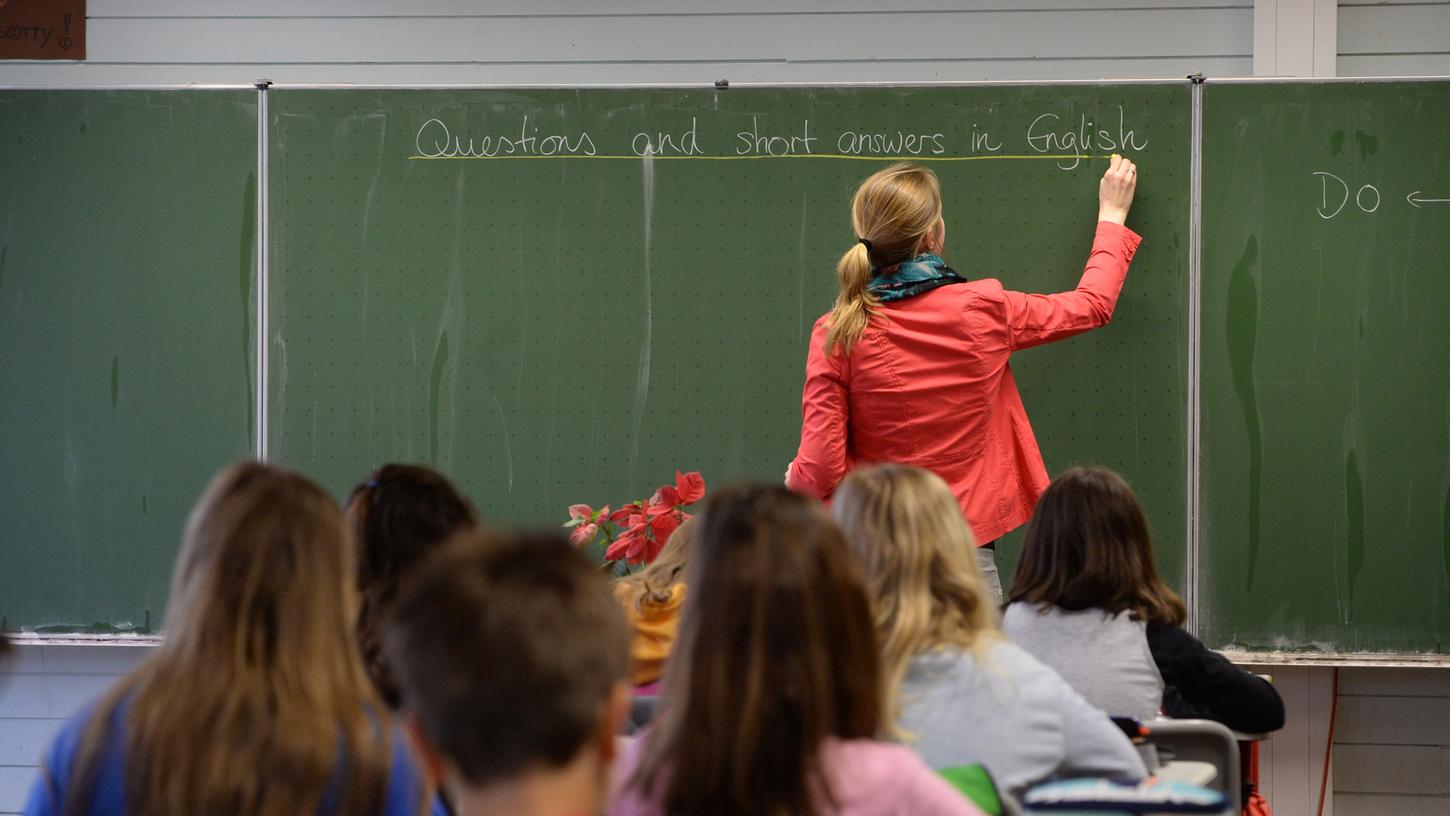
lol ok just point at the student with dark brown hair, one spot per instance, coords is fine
(1087, 601)
(774, 688)
(399, 515)
(255, 702)
(512, 659)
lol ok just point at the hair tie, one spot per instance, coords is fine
(867, 244)
(371, 483)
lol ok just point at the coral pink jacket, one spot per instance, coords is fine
(928, 385)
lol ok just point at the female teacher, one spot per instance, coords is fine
(910, 365)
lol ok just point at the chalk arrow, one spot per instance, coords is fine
(1416, 202)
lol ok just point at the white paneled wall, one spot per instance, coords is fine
(650, 41)
(41, 687)
(1400, 38)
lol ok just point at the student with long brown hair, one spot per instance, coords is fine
(774, 696)
(256, 701)
(652, 599)
(911, 364)
(960, 693)
(399, 514)
(1087, 600)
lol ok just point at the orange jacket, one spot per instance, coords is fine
(928, 385)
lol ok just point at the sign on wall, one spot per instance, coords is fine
(43, 29)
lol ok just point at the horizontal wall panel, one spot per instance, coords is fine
(14, 784)
(431, 8)
(23, 740)
(1398, 65)
(987, 35)
(1399, 29)
(1406, 769)
(1351, 804)
(966, 70)
(1393, 721)
(90, 659)
(1365, 682)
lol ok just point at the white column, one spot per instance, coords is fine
(1297, 38)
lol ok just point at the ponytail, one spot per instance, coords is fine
(892, 212)
(855, 306)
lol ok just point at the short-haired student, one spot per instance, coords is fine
(512, 659)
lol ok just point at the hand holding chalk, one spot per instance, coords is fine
(1115, 191)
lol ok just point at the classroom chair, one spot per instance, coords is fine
(1202, 741)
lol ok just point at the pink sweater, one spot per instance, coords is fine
(868, 778)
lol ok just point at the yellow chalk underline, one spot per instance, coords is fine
(756, 157)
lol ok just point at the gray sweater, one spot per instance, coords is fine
(1105, 657)
(1010, 713)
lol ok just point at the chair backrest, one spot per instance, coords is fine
(1201, 741)
(641, 711)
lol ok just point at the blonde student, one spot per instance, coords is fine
(961, 693)
(256, 701)
(774, 696)
(652, 600)
(1087, 600)
(911, 365)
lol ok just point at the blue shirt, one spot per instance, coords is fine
(53, 783)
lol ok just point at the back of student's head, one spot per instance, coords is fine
(906, 528)
(511, 655)
(399, 515)
(1088, 546)
(256, 694)
(776, 654)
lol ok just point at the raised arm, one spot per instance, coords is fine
(821, 461)
(1036, 319)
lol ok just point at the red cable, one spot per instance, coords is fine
(1329, 742)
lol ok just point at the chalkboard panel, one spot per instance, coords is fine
(447, 288)
(127, 236)
(1326, 367)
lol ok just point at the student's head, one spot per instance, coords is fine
(899, 211)
(655, 583)
(398, 515)
(776, 653)
(257, 692)
(512, 657)
(1088, 547)
(906, 528)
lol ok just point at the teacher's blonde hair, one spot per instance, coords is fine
(906, 529)
(893, 210)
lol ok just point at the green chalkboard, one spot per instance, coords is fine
(127, 235)
(1326, 367)
(551, 330)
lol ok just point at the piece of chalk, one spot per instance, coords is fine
(1116, 156)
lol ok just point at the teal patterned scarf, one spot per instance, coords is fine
(910, 278)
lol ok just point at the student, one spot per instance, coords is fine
(398, 515)
(255, 702)
(652, 599)
(1087, 600)
(512, 659)
(911, 364)
(960, 692)
(773, 690)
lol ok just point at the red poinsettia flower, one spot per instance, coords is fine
(585, 520)
(690, 486)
